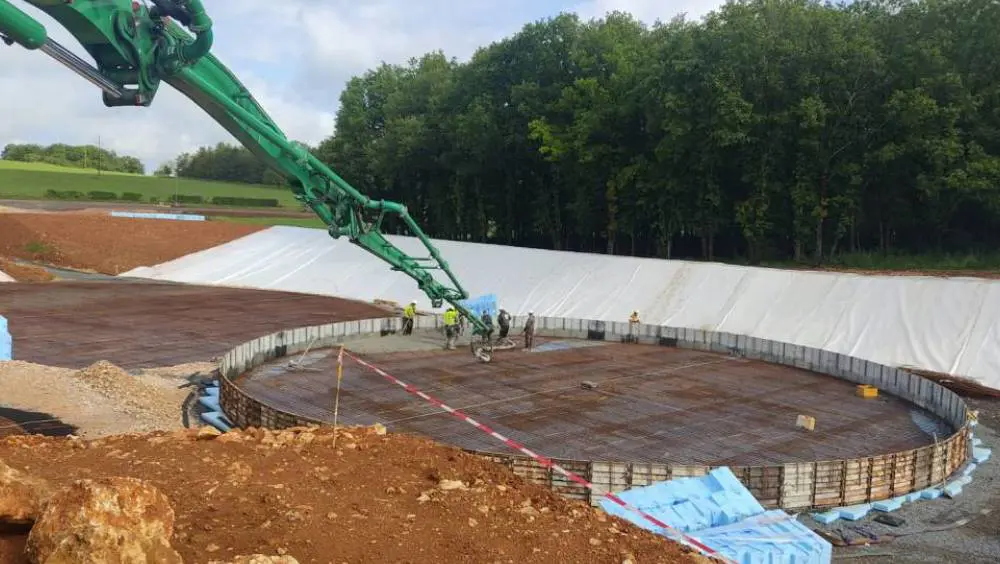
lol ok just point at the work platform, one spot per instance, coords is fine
(650, 403)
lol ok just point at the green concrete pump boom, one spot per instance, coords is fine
(136, 46)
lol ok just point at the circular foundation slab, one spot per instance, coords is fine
(592, 400)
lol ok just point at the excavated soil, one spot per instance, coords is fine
(367, 497)
(102, 399)
(25, 273)
(109, 245)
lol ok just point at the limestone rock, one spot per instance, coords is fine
(207, 432)
(22, 497)
(107, 520)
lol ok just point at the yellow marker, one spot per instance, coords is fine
(866, 391)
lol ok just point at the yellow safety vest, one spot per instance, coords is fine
(410, 311)
(450, 317)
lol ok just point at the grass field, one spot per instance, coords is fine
(31, 180)
(270, 221)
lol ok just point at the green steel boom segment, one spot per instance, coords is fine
(135, 46)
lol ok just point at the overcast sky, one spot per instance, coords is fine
(294, 55)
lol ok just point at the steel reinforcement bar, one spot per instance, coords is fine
(795, 486)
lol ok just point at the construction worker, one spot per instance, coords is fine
(488, 322)
(503, 320)
(450, 327)
(529, 331)
(408, 314)
(633, 326)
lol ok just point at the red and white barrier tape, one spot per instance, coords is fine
(544, 461)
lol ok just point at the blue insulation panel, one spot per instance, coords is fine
(690, 504)
(6, 341)
(719, 511)
(770, 537)
(210, 403)
(146, 215)
(218, 420)
(855, 512)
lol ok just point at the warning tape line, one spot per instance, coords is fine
(544, 461)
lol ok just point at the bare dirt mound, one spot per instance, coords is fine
(109, 245)
(25, 273)
(370, 498)
(100, 400)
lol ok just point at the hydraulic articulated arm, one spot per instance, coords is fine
(136, 47)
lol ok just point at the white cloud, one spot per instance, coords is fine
(293, 55)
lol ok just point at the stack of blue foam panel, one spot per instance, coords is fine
(722, 514)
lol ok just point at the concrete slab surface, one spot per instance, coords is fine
(75, 323)
(651, 404)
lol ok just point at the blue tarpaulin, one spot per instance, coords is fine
(478, 305)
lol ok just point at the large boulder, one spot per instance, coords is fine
(22, 497)
(106, 520)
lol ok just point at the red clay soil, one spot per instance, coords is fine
(370, 498)
(109, 245)
(25, 273)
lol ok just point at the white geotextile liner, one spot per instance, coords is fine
(4, 277)
(944, 325)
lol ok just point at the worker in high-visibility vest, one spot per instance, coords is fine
(633, 327)
(450, 327)
(408, 314)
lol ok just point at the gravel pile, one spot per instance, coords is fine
(100, 400)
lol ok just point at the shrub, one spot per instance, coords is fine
(246, 202)
(186, 199)
(102, 196)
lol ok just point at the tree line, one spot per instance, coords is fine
(73, 156)
(225, 162)
(772, 129)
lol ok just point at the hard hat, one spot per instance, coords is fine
(414, 302)
(531, 312)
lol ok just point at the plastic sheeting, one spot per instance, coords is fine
(944, 325)
(4, 277)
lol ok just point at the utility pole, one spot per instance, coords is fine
(99, 155)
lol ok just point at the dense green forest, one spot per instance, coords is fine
(75, 156)
(773, 129)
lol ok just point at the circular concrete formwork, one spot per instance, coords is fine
(669, 403)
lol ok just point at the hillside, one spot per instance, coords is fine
(34, 180)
